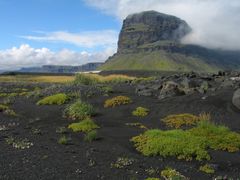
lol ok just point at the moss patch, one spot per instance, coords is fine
(207, 169)
(179, 120)
(187, 144)
(140, 112)
(117, 101)
(86, 125)
(57, 99)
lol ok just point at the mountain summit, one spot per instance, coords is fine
(149, 27)
(152, 41)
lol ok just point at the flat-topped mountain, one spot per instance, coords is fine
(149, 27)
(152, 41)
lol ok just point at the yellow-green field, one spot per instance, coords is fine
(37, 78)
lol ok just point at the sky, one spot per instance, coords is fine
(75, 32)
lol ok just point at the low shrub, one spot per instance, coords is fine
(3, 107)
(85, 79)
(91, 79)
(106, 89)
(79, 110)
(86, 125)
(140, 112)
(57, 99)
(170, 174)
(144, 80)
(91, 136)
(6, 110)
(207, 169)
(188, 144)
(217, 137)
(63, 140)
(179, 120)
(117, 101)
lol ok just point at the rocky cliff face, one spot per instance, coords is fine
(149, 27)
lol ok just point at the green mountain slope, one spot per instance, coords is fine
(158, 60)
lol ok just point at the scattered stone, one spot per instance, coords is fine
(236, 99)
(170, 89)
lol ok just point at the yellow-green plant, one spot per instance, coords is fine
(117, 101)
(188, 144)
(170, 174)
(57, 99)
(179, 120)
(86, 125)
(207, 169)
(140, 112)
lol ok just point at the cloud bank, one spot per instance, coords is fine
(215, 23)
(89, 39)
(26, 56)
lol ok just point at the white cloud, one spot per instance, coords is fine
(89, 39)
(26, 56)
(215, 23)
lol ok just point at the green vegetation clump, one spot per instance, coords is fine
(93, 79)
(57, 99)
(79, 110)
(152, 179)
(3, 107)
(140, 112)
(117, 101)
(207, 169)
(179, 120)
(6, 110)
(86, 125)
(171, 174)
(188, 144)
(85, 79)
(217, 137)
(91, 136)
(63, 140)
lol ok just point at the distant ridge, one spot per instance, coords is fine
(61, 69)
(152, 41)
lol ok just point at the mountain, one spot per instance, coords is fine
(152, 41)
(62, 69)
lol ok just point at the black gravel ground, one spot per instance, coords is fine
(47, 159)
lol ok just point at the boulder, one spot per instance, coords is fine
(236, 99)
(144, 90)
(170, 89)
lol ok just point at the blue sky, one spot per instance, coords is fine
(75, 32)
(28, 17)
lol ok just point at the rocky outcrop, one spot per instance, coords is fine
(149, 27)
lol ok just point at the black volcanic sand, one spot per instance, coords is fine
(47, 159)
